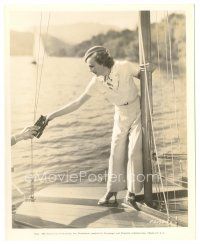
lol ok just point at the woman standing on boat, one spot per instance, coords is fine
(114, 80)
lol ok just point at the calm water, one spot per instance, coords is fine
(79, 141)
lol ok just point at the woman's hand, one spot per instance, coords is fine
(27, 133)
(150, 67)
(49, 117)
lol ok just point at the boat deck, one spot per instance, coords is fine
(75, 206)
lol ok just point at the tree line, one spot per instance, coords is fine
(167, 42)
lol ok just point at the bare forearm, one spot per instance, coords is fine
(16, 138)
(69, 108)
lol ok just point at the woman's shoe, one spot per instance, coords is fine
(130, 201)
(105, 200)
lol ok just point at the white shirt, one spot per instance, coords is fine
(120, 88)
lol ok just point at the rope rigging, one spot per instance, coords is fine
(170, 122)
(152, 127)
(178, 183)
(174, 92)
(159, 77)
(37, 92)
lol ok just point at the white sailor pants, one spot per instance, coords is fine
(125, 163)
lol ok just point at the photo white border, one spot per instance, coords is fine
(171, 233)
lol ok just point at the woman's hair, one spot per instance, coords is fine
(104, 58)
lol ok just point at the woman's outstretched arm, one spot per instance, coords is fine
(70, 107)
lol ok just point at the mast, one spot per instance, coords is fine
(146, 80)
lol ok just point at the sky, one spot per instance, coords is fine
(23, 20)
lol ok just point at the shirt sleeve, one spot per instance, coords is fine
(131, 68)
(92, 87)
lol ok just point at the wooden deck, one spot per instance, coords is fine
(75, 206)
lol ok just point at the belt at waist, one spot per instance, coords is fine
(127, 103)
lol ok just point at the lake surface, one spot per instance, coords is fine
(80, 141)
